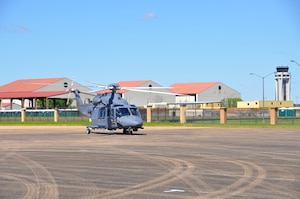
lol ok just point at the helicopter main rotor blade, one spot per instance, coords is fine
(115, 86)
(151, 91)
(145, 87)
(98, 84)
(95, 91)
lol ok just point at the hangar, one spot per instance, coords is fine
(28, 91)
(203, 92)
(176, 93)
(158, 95)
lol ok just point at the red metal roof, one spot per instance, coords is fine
(191, 88)
(25, 88)
(132, 83)
(126, 84)
(24, 85)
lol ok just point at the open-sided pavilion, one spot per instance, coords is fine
(29, 91)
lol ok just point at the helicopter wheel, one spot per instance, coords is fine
(88, 130)
(129, 131)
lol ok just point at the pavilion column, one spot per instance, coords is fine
(32, 103)
(0, 104)
(35, 103)
(47, 103)
(22, 103)
(11, 104)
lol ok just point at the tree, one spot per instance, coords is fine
(54, 103)
(230, 102)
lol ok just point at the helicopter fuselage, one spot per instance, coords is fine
(116, 117)
(110, 111)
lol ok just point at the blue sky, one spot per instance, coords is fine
(167, 41)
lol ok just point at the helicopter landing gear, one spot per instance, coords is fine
(128, 131)
(88, 130)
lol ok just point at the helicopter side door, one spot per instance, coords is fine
(112, 114)
(99, 117)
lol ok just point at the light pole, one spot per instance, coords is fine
(295, 62)
(298, 65)
(263, 90)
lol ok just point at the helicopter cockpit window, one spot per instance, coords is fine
(122, 112)
(133, 111)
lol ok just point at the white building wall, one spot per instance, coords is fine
(217, 93)
(141, 99)
(185, 98)
(282, 86)
(59, 85)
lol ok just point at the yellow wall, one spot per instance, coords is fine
(267, 104)
(210, 105)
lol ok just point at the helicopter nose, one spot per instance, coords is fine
(131, 121)
(136, 121)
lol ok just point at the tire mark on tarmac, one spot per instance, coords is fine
(20, 179)
(244, 183)
(177, 170)
(276, 188)
(191, 180)
(181, 170)
(81, 185)
(44, 185)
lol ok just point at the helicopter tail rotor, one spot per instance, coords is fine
(69, 89)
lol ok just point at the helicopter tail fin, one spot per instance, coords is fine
(79, 102)
(85, 109)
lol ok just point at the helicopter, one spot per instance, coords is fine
(110, 111)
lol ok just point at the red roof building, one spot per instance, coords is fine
(158, 93)
(191, 88)
(203, 92)
(28, 91)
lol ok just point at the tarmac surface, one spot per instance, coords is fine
(64, 162)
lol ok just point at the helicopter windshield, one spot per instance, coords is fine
(133, 111)
(122, 112)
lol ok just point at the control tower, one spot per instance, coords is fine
(282, 84)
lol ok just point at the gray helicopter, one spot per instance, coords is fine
(110, 111)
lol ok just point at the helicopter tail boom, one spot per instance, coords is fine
(85, 109)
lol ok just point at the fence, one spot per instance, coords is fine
(197, 116)
(212, 116)
(40, 115)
